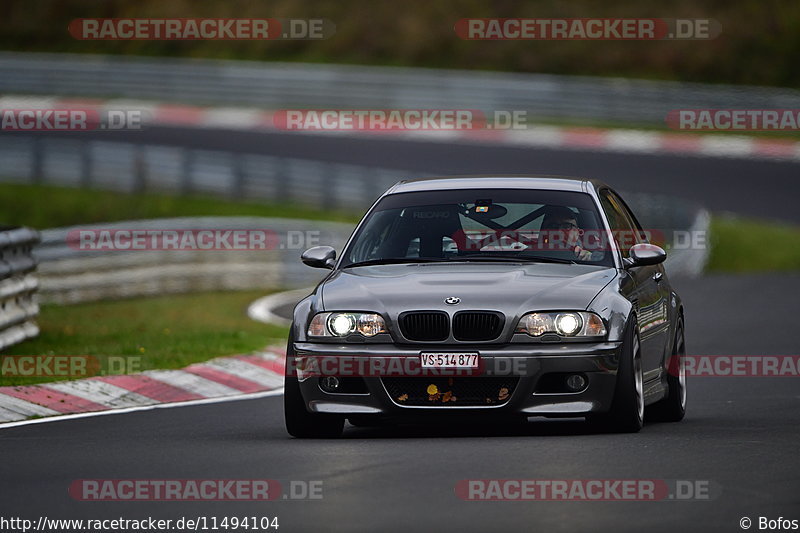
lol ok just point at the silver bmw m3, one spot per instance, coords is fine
(497, 296)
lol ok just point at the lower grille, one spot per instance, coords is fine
(477, 326)
(451, 392)
(425, 325)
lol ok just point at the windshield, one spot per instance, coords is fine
(481, 225)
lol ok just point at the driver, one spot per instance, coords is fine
(560, 225)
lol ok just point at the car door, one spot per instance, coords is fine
(647, 296)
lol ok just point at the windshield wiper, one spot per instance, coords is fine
(513, 259)
(395, 261)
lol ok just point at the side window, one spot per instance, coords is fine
(625, 235)
(640, 236)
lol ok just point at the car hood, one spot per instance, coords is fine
(513, 289)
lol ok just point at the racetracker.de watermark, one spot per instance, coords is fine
(583, 29)
(591, 240)
(73, 119)
(732, 366)
(308, 366)
(67, 366)
(585, 489)
(380, 119)
(195, 29)
(734, 119)
(181, 490)
(123, 239)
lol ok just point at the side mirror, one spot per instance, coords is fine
(645, 254)
(319, 257)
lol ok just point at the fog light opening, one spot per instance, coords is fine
(329, 383)
(576, 382)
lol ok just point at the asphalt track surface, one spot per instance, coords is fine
(760, 188)
(740, 434)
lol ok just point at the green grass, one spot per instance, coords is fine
(745, 245)
(163, 332)
(49, 206)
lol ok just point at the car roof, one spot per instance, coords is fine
(495, 181)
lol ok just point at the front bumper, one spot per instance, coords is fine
(597, 362)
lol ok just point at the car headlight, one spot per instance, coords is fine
(344, 324)
(565, 324)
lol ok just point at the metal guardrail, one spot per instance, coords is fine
(294, 85)
(69, 275)
(18, 284)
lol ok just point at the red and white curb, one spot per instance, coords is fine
(218, 378)
(578, 138)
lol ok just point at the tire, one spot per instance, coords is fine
(673, 407)
(300, 423)
(627, 407)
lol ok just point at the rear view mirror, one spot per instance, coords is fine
(645, 254)
(319, 257)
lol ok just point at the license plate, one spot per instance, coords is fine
(449, 360)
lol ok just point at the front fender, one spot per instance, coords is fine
(613, 307)
(300, 318)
